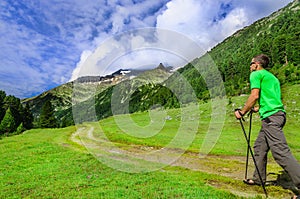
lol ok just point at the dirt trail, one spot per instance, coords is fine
(232, 167)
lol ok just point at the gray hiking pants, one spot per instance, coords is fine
(271, 137)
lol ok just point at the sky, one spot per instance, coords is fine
(44, 44)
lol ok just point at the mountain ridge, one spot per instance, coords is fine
(62, 97)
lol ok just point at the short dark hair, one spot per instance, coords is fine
(262, 59)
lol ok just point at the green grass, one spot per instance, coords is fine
(41, 164)
(45, 163)
(231, 140)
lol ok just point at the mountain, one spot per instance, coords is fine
(116, 99)
(277, 35)
(120, 74)
(84, 89)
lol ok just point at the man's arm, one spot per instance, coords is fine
(249, 103)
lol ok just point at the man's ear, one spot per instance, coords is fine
(256, 65)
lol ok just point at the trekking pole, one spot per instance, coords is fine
(252, 155)
(248, 140)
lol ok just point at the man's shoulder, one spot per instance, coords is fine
(256, 74)
(261, 73)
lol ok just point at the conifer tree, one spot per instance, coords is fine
(8, 124)
(2, 109)
(27, 117)
(20, 128)
(15, 106)
(47, 118)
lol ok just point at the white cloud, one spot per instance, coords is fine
(210, 22)
(233, 22)
(203, 22)
(142, 48)
(124, 17)
(192, 18)
(76, 72)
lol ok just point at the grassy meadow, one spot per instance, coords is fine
(50, 163)
(45, 164)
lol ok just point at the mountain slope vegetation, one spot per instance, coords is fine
(92, 93)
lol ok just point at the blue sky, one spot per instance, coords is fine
(46, 43)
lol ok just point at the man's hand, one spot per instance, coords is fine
(238, 114)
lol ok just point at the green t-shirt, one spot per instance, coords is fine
(270, 94)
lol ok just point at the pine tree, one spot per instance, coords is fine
(27, 117)
(16, 108)
(8, 124)
(20, 128)
(47, 119)
(2, 108)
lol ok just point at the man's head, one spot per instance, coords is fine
(259, 62)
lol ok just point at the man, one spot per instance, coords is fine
(265, 88)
